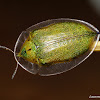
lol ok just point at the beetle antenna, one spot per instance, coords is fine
(3, 47)
(15, 71)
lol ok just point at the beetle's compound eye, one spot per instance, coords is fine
(23, 53)
(29, 49)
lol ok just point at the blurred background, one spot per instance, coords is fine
(76, 84)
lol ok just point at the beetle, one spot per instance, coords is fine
(54, 46)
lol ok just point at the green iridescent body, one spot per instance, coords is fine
(57, 43)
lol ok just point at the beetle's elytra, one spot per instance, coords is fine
(54, 46)
(57, 42)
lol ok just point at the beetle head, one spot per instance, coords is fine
(28, 51)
